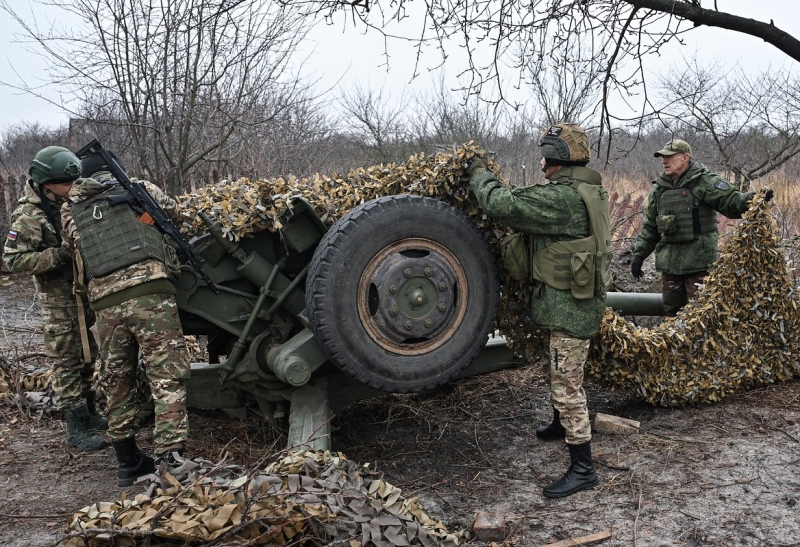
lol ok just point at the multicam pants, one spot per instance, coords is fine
(72, 378)
(150, 324)
(565, 371)
(676, 290)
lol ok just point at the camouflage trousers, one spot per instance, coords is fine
(72, 378)
(677, 289)
(565, 371)
(148, 324)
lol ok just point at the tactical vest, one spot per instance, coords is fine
(681, 217)
(112, 237)
(582, 266)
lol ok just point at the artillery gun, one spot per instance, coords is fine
(398, 296)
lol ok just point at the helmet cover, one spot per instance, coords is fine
(565, 142)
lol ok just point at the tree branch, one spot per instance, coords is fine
(713, 18)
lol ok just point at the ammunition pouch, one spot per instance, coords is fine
(171, 260)
(568, 265)
(515, 251)
(666, 224)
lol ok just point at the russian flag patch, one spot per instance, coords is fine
(12, 235)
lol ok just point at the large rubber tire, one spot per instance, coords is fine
(402, 293)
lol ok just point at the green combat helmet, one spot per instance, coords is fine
(565, 142)
(54, 164)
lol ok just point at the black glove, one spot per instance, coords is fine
(768, 194)
(636, 266)
(472, 165)
(63, 254)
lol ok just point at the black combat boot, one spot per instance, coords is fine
(579, 476)
(553, 431)
(79, 435)
(94, 421)
(132, 463)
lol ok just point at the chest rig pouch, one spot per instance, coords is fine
(112, 237)
(681, 217)
(516, 254)
(582, 266)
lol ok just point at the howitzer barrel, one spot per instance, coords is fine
(629, 303)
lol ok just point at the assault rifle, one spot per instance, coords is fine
(137, 196)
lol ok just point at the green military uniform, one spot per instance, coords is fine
(33, 246)
(680, 225)
(567, 227)
(552, 213)
(136, 310)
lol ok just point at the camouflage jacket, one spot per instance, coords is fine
(699, 254)
(146, 277)
(32, 246)
(550, 213)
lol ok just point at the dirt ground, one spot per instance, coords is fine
(721, 475)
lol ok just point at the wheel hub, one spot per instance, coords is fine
(412, 296)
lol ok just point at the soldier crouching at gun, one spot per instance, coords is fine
(128, 266)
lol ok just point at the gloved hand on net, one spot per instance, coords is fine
(636, 267)
(768, 194)
(471, 166)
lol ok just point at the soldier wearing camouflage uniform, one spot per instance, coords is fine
(33, 246)
(680, 223)
(128, 266)
(567, 221)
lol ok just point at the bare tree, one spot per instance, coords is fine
(297, 141)
(377, 119)
(180, 77)
(620, 33)
(565, 78)
(442, 116)
(18, 145)
(752, 124)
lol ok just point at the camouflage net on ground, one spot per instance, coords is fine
(302, 498)
(29, 381)
(741, 333)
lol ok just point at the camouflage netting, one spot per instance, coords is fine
(30, 381)
(738, 335)
(245, 206)
(301, 498)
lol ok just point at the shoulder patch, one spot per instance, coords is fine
(722, 185)
(11, 240)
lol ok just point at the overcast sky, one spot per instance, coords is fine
(343, 59)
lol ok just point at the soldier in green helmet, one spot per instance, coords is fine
(566, 223)
(129, 267)
(680, 223)
(33, 246)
